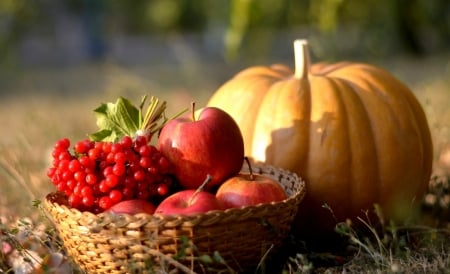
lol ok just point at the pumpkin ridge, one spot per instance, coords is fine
(357, 92)
(283, 127)
(380, 95)
(401, 120)
(356, 149)
(419, 118)
(342, 109)
(426, 139)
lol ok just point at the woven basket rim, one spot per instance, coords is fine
(159, 216)
(108, 217)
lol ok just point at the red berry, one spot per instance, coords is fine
(64, 155)
(102, 165)
(140, 141)
(115, 196)
(153, 170)
(103, 187)
(80, 176)
(74, 200)
(82, 147)
(164, 164)
(145, 162)
(62, 144)
(126, 142)
(63, 165)
(74, 165)
(88, 201)
(120, 157)
(110, 157)
(139, 175)
(144, 151)
(127, 193)
(119, 169)
(107, 170)
(61, 186)
(116, 147)
(71, 184)
(105, 202)
(94, 153)
(86, 161)
(66, 175)
(163, 189)
(91, 179)
(99, 145)
(51, 172)
(87, 191)
(107, 147)
(111, 180)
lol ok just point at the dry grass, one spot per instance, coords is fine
(44, 106)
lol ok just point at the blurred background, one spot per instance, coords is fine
(212, 38)
(60, 58)
(70, 33)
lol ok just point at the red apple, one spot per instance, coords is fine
(210, 144)
(132, 207)
(187, 202)
(247, 189)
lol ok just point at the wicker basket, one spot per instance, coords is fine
(141, 243)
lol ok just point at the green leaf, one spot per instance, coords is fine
(205, 259)
(127, 114)
(218, 258)
(122, 118)
(103, 135)
(115, 120)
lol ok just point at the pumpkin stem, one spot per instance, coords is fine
(301, 55)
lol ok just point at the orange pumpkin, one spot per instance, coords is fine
(355, 133)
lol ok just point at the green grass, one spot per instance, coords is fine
(39, 107)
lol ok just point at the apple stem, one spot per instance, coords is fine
(200, 188)
(249, 168)
(193, 111)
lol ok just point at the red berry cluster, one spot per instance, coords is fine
(97, 175)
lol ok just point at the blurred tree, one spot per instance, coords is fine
(408, 20)
(325, 14)
(239, 20)
(250, 28)
(381, 27)
(15, 19)
(159, 16)
(93, 19)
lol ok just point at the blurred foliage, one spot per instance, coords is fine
(15, 18)
(248, 27)
(378, 27)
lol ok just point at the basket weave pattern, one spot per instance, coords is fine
(122, 243)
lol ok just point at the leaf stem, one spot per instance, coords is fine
(153, 115)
